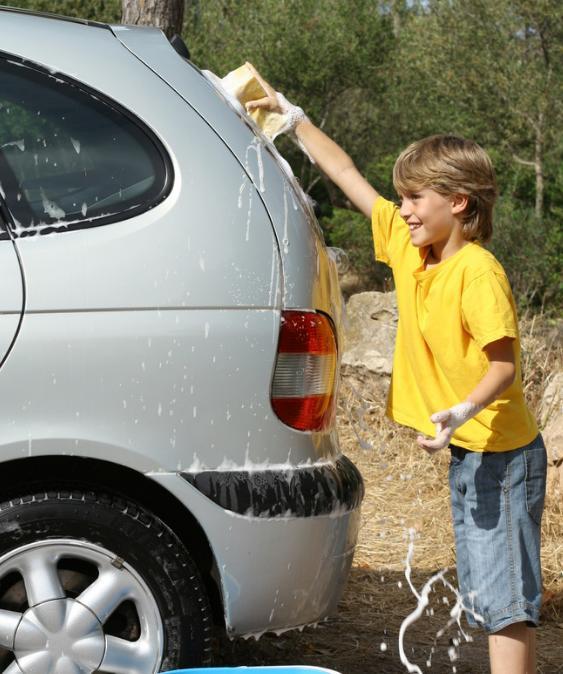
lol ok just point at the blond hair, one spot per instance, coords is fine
(451, 165)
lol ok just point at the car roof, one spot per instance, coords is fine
(49, 15)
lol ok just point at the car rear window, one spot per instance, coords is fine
(69, 158)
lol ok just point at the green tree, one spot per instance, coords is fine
(321, 55)
(491, 70)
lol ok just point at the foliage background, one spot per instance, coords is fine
(377, 74)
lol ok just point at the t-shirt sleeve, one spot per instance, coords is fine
(488, 308)
(390, 232)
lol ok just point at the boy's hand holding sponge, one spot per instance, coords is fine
(270, 109)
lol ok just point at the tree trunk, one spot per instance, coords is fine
(539, 168)
(537, 164)
(168, 15)
(397, 7)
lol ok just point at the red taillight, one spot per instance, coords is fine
(303, 388)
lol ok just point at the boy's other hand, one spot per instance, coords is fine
(446, 421)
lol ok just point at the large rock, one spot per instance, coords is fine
(370, 328)
(551, 421)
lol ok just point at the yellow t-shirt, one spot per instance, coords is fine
(447, 314)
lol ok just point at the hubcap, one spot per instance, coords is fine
(60, 634)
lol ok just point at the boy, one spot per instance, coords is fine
(456, 370)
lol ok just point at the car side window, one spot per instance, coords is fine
(69, 158)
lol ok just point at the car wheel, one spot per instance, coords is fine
(91, 582)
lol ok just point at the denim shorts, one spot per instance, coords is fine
(497, 503)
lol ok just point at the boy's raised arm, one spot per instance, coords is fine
(338, 166)
(329, 156)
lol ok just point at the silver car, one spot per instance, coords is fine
(169, 349)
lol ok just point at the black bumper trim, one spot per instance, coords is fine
(299, 492)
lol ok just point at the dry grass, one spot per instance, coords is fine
(406, 489)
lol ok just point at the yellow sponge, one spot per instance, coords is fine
(242, 84)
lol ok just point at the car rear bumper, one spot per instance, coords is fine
(283, 562)
(308, 491)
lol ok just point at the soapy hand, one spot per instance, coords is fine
(274, 101)
(446, 422)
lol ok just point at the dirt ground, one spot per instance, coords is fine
(404, 491)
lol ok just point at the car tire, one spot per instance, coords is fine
(75, 553)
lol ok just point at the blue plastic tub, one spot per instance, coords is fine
(257, 670)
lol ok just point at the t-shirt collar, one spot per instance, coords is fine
(420, 273)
